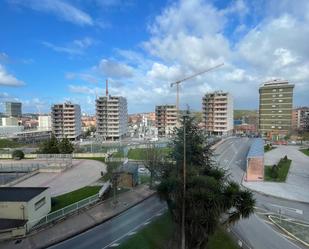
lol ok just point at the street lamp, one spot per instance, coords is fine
(183, 218)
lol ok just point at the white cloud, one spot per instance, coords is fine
(76, 47)
(62, 9)
(81, 89)
(7, 79)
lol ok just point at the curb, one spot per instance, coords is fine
(96, 224)
(290, 234)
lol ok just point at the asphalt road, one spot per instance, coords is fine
(255, 232)
(113, 232)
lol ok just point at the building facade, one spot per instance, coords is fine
(45, 122)
(111, 117)
(13, 109)
(166, 119)
(218, 113)
(275, 109)
(300, 119)
(66, 120)
(255, 161)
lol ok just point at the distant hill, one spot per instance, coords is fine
(238, 114)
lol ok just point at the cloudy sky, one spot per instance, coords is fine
(57, 50)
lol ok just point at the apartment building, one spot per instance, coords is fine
(66, 120)
(275, 109)
(300, 119)
(13, 109)
(111, 117)
(166, 119)
(218, 113)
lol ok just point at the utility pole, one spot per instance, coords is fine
(183, 218)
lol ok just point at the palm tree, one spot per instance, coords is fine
(211, 197)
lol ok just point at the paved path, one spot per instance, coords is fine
(76, 224)
(298, 178)
(83, 173)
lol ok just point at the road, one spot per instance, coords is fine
(255, 231)
(113, 232)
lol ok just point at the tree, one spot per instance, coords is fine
(210, 194)
(18, 154)
(50, 146)
(65, 146)
(153, 159)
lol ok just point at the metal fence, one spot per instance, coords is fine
(20, 167)
(61, 213)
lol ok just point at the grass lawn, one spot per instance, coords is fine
(64, 200)
(144, 179)
(6, 143)
(283, 170)
(101, 159)
(305, 151)
(140, 153)
(157, 233)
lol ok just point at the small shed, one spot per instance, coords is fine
(127, 175)
(255, 161)
(18, 204)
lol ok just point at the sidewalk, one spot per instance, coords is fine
(297, 182)
(80, 222)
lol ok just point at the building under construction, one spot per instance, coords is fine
(166, 119)
(111, 117)
(218, 113)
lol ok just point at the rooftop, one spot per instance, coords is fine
(11, 223)
(256, 148)
(16, 194)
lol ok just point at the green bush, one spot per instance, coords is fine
(18, 154)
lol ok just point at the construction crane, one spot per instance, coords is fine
(178, 82)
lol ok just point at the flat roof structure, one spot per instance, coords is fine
(11, 223)
(256, 148)
(19, 194)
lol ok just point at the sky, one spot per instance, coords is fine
(53, 51)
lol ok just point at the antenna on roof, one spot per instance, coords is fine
(106, 87)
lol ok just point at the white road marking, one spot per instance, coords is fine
(114, 245)
(146, 223)
(132, 233)
(298, 211)
(132, 230)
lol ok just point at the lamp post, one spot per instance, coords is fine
(183, 217)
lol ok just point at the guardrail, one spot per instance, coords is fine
(61, 213)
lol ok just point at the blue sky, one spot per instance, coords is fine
(57, 50)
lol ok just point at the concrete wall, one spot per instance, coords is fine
(33, 213)
(11, 233)
(13, 210)
(255, 169)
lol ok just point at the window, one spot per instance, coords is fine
(40, 203)
(280, 100)
(274, 95)
(280, 90)
(273, 105)
(274, 90)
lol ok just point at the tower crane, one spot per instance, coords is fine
(178, 82)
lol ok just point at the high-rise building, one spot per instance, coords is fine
(275, 112)
(13, 109)
(45, 122)
(218, 113)
(111, 117)
(166, 119)
(66, 120)
(300, 119)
